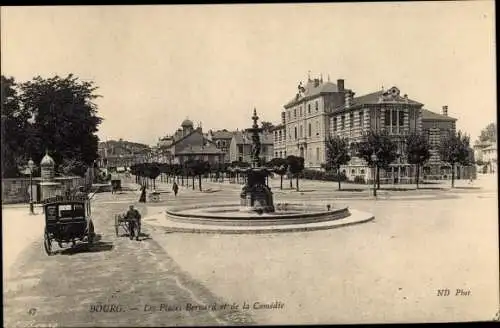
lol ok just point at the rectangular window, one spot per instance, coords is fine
(394, 117)
(342, 122)
(295, 130)
(309, 108)
(289, 115)
(351, 120)
(387, 117)
(300, 111)
(317, 128)
(361, 118)
(401, 118)
(301, 132)
(309, 127)
(295, 113)
(334, 124)
(317, 106)
(317, 154)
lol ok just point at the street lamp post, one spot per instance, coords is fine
(31, 166)
(374, 161)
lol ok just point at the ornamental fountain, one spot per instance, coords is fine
(256, 211)
(256, 196)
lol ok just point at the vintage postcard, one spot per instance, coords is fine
(172, 165)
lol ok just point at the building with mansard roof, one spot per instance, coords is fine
(322, 109)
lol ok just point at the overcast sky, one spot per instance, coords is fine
(157, 65)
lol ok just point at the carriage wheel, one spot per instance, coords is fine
(47, 243)
(91, 233)
(116, 225)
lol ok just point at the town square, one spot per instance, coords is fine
(221, 175)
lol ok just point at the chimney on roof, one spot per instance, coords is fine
(340, 85)
(445, 110)
(283, 117)
(348, 98)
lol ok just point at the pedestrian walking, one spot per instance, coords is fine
(142, 199)
(175, 188)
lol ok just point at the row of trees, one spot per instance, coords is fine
(379, 150)
(147, 173)
(454, 150)
(56, 115)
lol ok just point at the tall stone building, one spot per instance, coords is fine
(437, 127)
(322, 109)
(307, 120)
(380, 111)
(279, 138)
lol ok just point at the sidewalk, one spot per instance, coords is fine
(19, 230)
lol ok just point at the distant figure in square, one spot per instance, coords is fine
(175, 188)
(142, 199)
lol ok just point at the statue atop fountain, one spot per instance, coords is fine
(256, 196)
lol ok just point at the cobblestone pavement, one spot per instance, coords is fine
(127, 276)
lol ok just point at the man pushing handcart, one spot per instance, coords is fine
(130, 222)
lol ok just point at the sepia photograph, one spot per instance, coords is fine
(249, 164)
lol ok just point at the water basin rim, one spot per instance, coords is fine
(251, 216)
(236, 205)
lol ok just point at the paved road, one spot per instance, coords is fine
(61, 290)
(328, 276)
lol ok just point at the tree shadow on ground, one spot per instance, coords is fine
(352, 189)
(210, 191)
(470, 188)
(431, 188)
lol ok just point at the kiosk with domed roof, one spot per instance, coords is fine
(48, 187)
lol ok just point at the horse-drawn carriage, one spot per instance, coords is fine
(67, 220)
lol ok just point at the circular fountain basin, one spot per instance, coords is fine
(235, 215)
(233, 219)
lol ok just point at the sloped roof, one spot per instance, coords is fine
(209, 149)
(221, 134)
(427, 115)
(374, 98)
(175, 142)
(311, 90)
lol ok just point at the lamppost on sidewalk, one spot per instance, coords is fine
(31, 166)
(374, 161)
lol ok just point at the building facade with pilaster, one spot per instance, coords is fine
(322, 109)
(382, 111)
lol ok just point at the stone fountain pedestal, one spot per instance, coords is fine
(256, 196)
